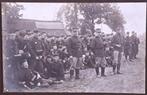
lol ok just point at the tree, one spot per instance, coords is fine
(68, 15)
(11, 12)
(92, 13)
(115, 19)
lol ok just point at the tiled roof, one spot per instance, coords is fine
(27, 25)
(53, 28)
(49, 25)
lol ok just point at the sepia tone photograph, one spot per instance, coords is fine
(74, 47)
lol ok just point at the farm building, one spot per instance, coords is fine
(52, 28)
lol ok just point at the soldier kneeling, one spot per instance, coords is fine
(57, 69)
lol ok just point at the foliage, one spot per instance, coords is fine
(86, 15)
(11, 12)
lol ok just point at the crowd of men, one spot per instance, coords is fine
(32, 56)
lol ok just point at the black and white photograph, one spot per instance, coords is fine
(74, 47)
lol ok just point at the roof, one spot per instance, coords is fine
(55, 28)
(22, 25)
(38, 24)
(49, 25)
(54, 32)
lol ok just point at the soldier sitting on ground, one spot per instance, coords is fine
(27, 77)
(56, 69)
(88, 60)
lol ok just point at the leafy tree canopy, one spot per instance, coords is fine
(86, 15)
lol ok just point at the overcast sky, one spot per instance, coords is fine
(134, 13)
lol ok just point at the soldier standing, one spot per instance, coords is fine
(137, 41)
(133, 40)
(74, 46)
(97, 46)
(117, 44)
(38, 49)
(127, 47)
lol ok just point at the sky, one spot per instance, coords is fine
(134, 14)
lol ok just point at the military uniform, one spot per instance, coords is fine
(97, 47)
(127, 47)
(133, 47)
(117, 43)
(37, 54)
(137, 42)
(74, 47)
(57, 70)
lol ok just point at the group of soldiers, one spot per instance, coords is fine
(32, 56)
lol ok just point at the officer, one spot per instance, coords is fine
(117, 44)
(74, 47)
(127, 47)
(97, 46)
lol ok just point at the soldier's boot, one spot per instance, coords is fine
(114, 68)
(77, 73)
(103, 71)
(97, 70)
(71, 73)
(118, 69)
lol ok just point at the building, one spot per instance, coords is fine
(52, 28)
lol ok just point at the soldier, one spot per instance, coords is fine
(117, 44)
(137, 41)
(57, 68)
(74, 46)
(127, 47)
(37, 53)
(133, 40)
(27, 77)
(97, 46)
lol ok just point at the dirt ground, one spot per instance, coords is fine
(132, 79)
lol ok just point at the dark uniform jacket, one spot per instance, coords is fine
(37, 47)
(56, 70)
(127, 43)
(74, 46)
(117, 40)
(97, 47)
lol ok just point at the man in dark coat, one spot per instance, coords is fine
(133, 45)
(74, 46)
(27, 77)
(137, 42)
(117, 44)
(37, 54)
(97, 46)
(127, 47)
